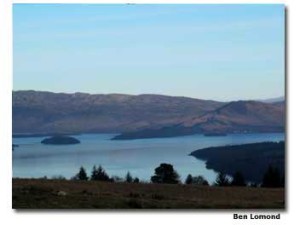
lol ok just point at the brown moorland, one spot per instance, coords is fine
(65, 194)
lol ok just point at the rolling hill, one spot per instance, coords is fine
(234, 117)
(36, 112)
(139, 116)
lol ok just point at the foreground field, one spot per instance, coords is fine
(61, 194)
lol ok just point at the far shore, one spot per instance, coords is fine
(118, 134)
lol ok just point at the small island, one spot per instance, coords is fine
(60, 140)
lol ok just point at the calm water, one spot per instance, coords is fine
(140, 157)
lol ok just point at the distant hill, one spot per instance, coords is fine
(36, 112)
(139, 116)
(273, 100)
(234, 117)
(240, 114)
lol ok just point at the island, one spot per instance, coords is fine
(252, 160)
(60, 140)
(164, 132)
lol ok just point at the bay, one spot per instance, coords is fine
(140, 157)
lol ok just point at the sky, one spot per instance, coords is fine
(219, 52)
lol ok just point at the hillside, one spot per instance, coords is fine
(234, 158)
(238, 116)
(36, 112)
(234, 117)
(139, 116)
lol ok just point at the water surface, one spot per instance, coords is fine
(140, 157)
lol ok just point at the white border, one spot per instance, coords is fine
(9, 216)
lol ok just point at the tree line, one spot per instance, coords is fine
(166, 174)
(99, 174)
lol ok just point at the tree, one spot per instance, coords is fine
(196, 180)
(128, 178)
(272, 177)
(199, 180)
(136, 180)
(165, 173)
(238, 180)
(189, 179)
(94, 173)
(222, 180)
(81, 175)
(99, 174)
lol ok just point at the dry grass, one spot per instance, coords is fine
(60, 194)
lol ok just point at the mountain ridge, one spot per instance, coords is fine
(40, 112)
(36, 112)
(234, 117)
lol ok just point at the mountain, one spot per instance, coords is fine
(239, 116)
(234, 117)
(139, 116)
(36, 112)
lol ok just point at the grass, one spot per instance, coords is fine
(64, 194)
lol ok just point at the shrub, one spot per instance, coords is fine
(117, 179)
(199, 180)
(196, 180)
(136, 180)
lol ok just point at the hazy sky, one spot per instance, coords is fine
(221, 52)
